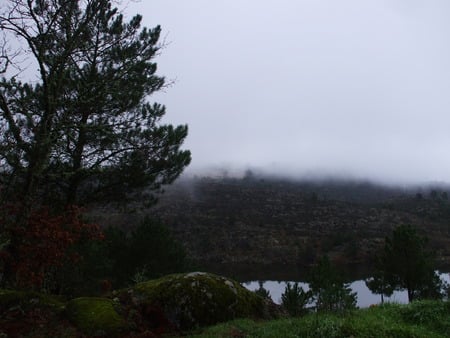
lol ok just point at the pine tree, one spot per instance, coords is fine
(81, 129)
(85, 129)
(407, 264)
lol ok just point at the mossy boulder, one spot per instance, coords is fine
(197, 299)
(95, 316)
(26, 299)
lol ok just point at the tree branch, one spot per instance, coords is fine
(12, 124)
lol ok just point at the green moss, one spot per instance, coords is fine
(94, 315)
(26, 299)
(197, 299)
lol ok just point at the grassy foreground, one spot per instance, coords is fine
(419, 319)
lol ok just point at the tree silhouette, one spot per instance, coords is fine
(407, 264)
(84, 130)
(81, 130)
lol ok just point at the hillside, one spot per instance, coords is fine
(275, 228)
(273, 222)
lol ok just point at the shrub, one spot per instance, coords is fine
(262, 292)
(42, 245)
(149, 251)
(328, 289)
(294, 299)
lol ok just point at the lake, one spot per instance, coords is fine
(365, 296)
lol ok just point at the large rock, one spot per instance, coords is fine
(166, 305)
(196, 299)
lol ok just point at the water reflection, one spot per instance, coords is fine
(365, 296)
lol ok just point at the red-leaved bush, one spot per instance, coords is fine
(42, 243)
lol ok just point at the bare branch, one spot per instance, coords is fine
(12, 124)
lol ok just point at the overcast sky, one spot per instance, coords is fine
(345, 87)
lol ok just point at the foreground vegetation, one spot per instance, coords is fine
(188, 303)
(173, 304)
(418, 319)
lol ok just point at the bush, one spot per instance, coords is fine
(40, 247)
(294, 299)
(262, 292)
(149, 251)
(124, 258)
(328, 289)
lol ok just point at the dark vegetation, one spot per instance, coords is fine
(122, 259)
(83, 155)
(407, 263)
(82, 133)
(274, 225)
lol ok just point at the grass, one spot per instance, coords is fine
(430, 319)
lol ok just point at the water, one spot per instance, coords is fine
(365, 296)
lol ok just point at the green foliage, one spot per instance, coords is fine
(149, 251)
(122, 259)
(153, 247)
(379, 285)
(326, 327)
(388, 321)
(294, 299)
(328, 289)
(84, 278)
(431, 314)
(83, 130)
(204, 299)
(407, 264)
(262, 292)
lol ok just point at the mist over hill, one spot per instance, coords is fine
(325, 187)
(256, 221)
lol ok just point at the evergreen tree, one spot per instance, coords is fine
(294, 299)
(328, 289)
(83, 130)
(407, 264)
(378, 284)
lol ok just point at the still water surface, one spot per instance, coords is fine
(365, 296)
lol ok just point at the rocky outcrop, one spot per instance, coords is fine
(173, 303)
(195, 299)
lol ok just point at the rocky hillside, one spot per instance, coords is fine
(271, 222)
